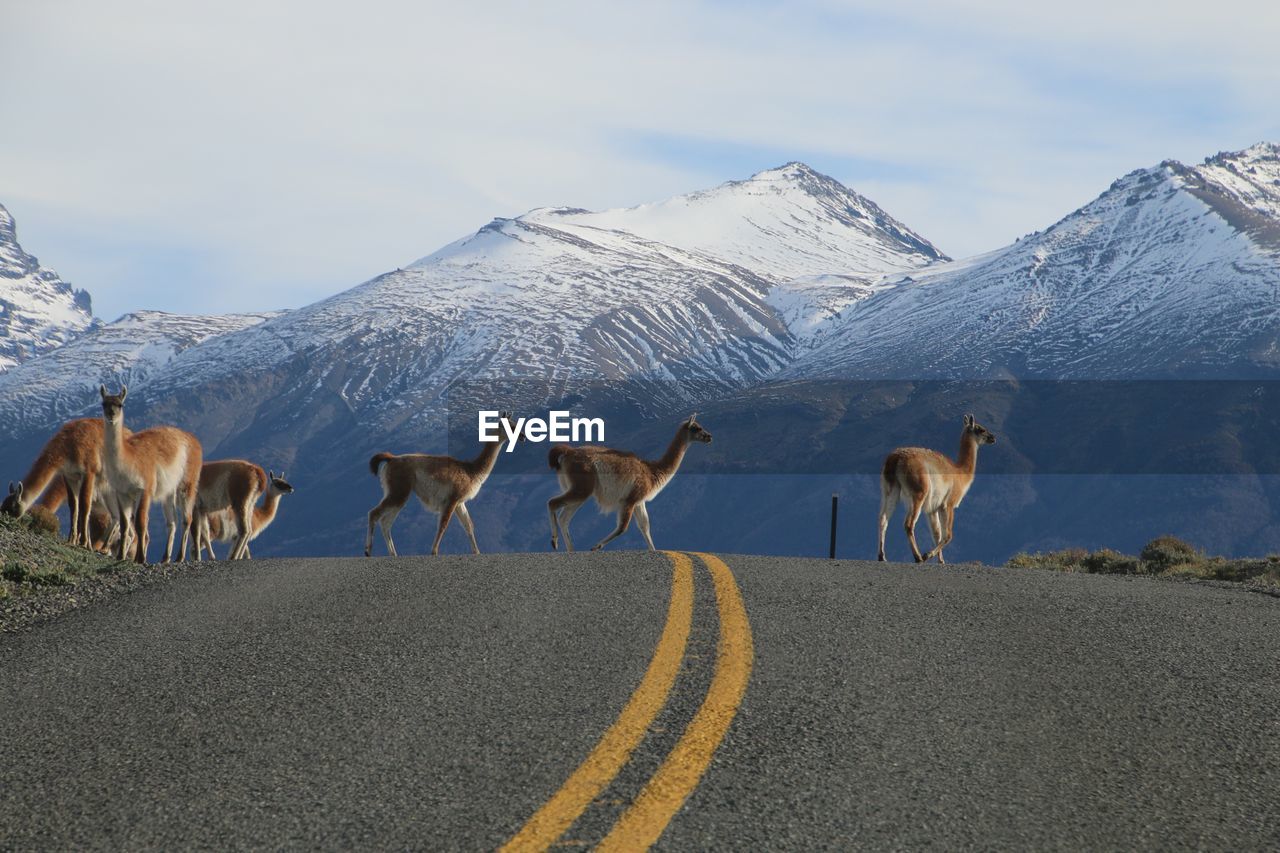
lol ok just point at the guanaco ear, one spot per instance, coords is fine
(692, 417)
(102, 389)
(11, 487)
(271, 475)
(18, 490)
(968, 421)
(124, 392)
(282, 475)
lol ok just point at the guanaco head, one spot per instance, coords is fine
(278, 485)
(13, 502)
(113, 404)
(980, 433)
(696, 432)
(509, 418)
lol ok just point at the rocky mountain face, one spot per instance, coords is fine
(804, 324)
(39, 311)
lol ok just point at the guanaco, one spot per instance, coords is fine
(442, 483)
(70, 468)
(618, 480)
(220, 527)
(233, 486)
(103, 527)
(927, 481)
(161, 464)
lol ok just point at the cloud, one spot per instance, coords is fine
(265, 154)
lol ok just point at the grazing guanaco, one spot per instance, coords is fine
(220, 527)
(926, 481)
(442, 483)
(103, 527)
(157, 464)
(70, 467)
(618, 480)
(233, 486)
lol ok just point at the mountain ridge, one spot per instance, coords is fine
(1183, 249)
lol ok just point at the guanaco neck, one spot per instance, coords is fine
(42, 472)
(665, 468)
(967, 461)
(113, 441)
(483, 464)
(265, 514)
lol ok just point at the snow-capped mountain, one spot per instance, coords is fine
(780, 224)
(62, 383)
(721, 301)
(554, 300)
(38, 310)
(1174, 271)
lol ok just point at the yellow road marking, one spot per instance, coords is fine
(616, 745)
(644, 822)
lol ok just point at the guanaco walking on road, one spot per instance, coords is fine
(930, 483)
(442, 483)
(618, 480)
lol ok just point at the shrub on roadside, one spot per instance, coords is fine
(1166, 552)
(1109, 562)
(1165, 555)
(1067, 560)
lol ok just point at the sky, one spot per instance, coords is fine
(257, 155)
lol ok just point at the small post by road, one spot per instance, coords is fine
(835, 501)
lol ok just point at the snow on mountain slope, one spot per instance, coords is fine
(781, 223)
(64, 382)
(809, 304)
(38, 310)
(518, 303)
(1173, 271)
(554, 301)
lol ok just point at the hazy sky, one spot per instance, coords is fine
(254, 155)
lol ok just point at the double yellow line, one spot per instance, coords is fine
(647, 817)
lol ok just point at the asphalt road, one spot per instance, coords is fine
(442, 703)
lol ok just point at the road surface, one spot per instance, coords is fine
(626, 698)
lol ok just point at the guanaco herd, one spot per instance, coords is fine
(109, 477)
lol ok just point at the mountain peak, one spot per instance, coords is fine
(38, 310)
(795, 170)
(783, 223)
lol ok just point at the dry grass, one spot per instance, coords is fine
(1164, 556)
